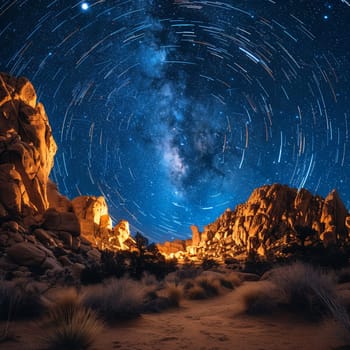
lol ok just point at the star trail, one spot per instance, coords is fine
(175, 110)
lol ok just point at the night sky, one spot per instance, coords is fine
(175, 110)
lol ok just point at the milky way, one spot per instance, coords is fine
(175, 110)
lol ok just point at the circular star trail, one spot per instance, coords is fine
(176, 110)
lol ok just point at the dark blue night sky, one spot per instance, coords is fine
(175, 110)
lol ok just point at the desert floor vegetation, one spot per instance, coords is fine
(299, 289)
(208, 284)
(117, 299)
(20, 299)
(69, 324)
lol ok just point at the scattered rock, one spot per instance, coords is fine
(27, 254)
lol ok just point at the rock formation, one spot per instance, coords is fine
(96, 224)
(27, 149)
(44, 233)
(274, 218)
(40, 229)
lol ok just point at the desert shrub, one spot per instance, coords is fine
(69, 325)
(306, 289)
(91, 274)
(208, 264)
(297, 288)
(187, 272)
(211, 286)
(258, 298)
(254, 264)
(230, 281)
(134, 263)
(116, 299)
(174, 295)
(196, 293)
(149, 280)
(202, 287)
(343, 275)
(19, 299)
(166, 298)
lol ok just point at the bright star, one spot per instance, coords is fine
(85, 6)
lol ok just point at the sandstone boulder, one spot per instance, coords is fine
(122, 233)
(27, 149)
(64, 221)
(27, 254)
(93, 216)
(196, 235)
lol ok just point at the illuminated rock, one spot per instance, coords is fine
(27, 148)
(196, 235)
(170, 249)
(94, 220)
(275, 219)
(39, 227)
(122, 236)
(334, 216)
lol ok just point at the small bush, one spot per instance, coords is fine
(70, 325)
(344, 275)
(174, 295)
(19, 299)
(211, 286)
(117, 299)
(307, 290)
(196, 293)
(208, 285)
(208, 264)
(166, 298)
(91, 275)
(298, 288)
(258, 298)
(230, 281)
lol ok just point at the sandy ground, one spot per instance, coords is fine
(203, 325)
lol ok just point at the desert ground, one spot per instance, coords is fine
(217, 323)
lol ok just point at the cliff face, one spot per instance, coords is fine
(27, 149)
(39, 228)
(274, 218)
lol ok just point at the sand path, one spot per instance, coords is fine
(214, 325)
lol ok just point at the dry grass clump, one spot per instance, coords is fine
(19, 299)
(258, 298)
(298, 288)
(230, 281)
(70, 325)
(306, 290)
(344, 275)
(196, 292)
(116, 299)
(186, 273)
(173, 295)
(203, 287)
(210, 284)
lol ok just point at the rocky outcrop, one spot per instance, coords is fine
(27, 149)
(92, 213)
(172, 249)
(274, 218)
(122, 238)
(96, 224)
(42, 232)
